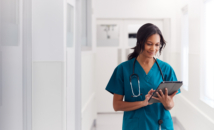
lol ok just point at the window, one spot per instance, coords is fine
(10, 29)
(70, 25)
(185, 47)
(207, 88)
(86, 24)
(132, 34)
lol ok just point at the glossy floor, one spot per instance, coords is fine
(114, 122)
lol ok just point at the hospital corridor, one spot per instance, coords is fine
(106, 65)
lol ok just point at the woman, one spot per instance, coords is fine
(139, 114)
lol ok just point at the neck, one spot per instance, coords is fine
(145, 60)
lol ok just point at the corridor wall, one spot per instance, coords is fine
(200, 115)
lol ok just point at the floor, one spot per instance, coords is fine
(114, 122)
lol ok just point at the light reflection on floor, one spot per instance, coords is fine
(113, 122)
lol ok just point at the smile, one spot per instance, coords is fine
(151, 53)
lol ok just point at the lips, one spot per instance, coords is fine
(151, 53)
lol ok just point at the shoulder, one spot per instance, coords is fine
(168, 71)
(125, 64)
(164, 65)
(121, 69)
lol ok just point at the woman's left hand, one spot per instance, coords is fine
(165, 99)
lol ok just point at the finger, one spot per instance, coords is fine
(158, 94)
(147, 97)
(150, 91)
(161, 93)
(155, 98)
(166, 92)
(173, 94)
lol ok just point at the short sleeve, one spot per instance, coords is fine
(116, 82)
(172, 77)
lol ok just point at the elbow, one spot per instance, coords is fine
(115, 107)
(115, 110)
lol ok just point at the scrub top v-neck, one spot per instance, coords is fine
(144, 118)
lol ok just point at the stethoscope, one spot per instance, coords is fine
(133, 74)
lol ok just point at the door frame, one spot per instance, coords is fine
(27, 63)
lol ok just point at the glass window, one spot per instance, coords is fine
(86, 24)
(70, 25)
(208, 63)
(132, 34)
(185, 47)
(10, 23)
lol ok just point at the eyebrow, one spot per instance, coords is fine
(151, 42)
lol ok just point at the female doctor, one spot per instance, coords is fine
(139, 114)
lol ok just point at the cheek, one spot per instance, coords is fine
(146, 47)
(157, 48)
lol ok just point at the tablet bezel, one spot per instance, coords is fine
(152, 100)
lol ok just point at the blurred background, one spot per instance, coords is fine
(57, 56)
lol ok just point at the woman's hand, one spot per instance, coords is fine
(165, 99)
(147, 97)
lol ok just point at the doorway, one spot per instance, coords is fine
(115, 38)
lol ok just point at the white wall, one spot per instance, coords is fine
(53, 83)
(12, 76)
(200, 115)
(89, 101)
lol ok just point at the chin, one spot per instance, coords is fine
(150, 56)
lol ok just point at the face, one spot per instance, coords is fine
(152, 45)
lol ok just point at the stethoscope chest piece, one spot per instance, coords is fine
(160, 122)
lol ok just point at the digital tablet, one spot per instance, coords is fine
(172, 87)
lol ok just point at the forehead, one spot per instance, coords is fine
(154, 38)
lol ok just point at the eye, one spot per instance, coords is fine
(149, 44)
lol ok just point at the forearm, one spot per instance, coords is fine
(127, 106)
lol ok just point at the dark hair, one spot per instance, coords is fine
(143, 34)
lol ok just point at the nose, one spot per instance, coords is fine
(153, 47)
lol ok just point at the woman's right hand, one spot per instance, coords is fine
(147, 97)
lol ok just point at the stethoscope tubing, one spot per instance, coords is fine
(133, 74)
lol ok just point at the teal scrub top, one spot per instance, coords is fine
(144, 118)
